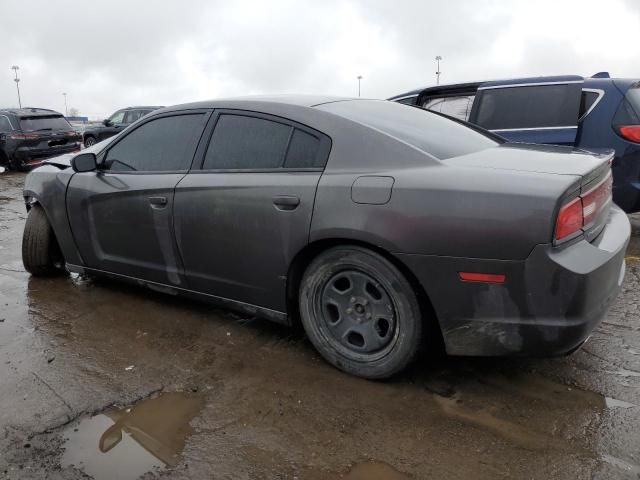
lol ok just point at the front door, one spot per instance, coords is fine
(243, 216)
(121, 215)
(530, 110)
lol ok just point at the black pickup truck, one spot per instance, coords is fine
(114, 124)
(28, 136)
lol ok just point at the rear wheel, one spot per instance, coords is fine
(41, 254)
(360, 312)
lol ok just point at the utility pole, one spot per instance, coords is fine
(15, 68)
(438, 72)
(66, 111)
(359, 79)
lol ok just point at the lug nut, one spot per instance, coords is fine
(349, 311)
(353, 300)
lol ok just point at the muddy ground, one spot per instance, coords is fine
(112, 381)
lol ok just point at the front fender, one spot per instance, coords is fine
(47, 186)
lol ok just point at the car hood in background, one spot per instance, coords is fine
(534, 158)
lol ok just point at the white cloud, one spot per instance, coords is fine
(106, 55)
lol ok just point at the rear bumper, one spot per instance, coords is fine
(35, 156)
(549, 304)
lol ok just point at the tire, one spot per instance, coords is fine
(41, 255)
(360, 312)
(89, 141)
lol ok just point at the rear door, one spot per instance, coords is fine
(242, 216)
(121, 215)
(530, 110)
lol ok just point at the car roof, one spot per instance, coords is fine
(256, 100)
(29, 111)
(600, 78)
(155, 107)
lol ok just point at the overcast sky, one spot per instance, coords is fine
(113, 53)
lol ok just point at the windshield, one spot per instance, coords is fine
(432, 133)
(34, 124)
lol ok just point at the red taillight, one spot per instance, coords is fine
(569, 219)
(630, 132)
(583, 210)
(23, 136)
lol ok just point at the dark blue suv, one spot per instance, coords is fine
(597, 113)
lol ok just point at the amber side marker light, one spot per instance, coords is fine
(482, 277)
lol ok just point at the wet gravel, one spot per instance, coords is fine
(88, 366)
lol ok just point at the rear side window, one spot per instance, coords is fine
(527, 107)
(34, 124)
(458, 107)
(586, 102)
(5, 125)
(243, 142)
(304, 151)
(163, 144)
(434, 134)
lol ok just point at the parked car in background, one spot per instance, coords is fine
(375, 224)
(596, 114)
(114, 124)
(30, 135)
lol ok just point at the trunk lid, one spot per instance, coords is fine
(537, 158)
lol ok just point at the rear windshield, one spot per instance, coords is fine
(33, 124)
(628, 112)
(432, 133)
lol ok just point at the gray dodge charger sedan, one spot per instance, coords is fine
(376, 225)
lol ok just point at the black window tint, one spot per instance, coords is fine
(439, 136)
(527, 107)
(242, 142)
(303, 151)
(5, 125)
(586, 102)
(32, 124)
(628, 112)
(164, 144)
(408, 101)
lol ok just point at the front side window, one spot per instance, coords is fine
(133, 116)
(117, 117)
(535, 106)
(164, 144)
(5, 124)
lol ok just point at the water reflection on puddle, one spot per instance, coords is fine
(125, 443)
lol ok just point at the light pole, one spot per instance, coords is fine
(359, 79)
(438, 72)
(66, 112)
(15, 68)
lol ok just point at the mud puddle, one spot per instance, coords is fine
(126, 443)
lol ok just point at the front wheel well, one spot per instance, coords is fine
(302, 260)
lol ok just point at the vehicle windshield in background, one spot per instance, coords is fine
(427, 131)
(33, 124)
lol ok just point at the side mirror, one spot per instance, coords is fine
(106, 122)
(85, 162)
